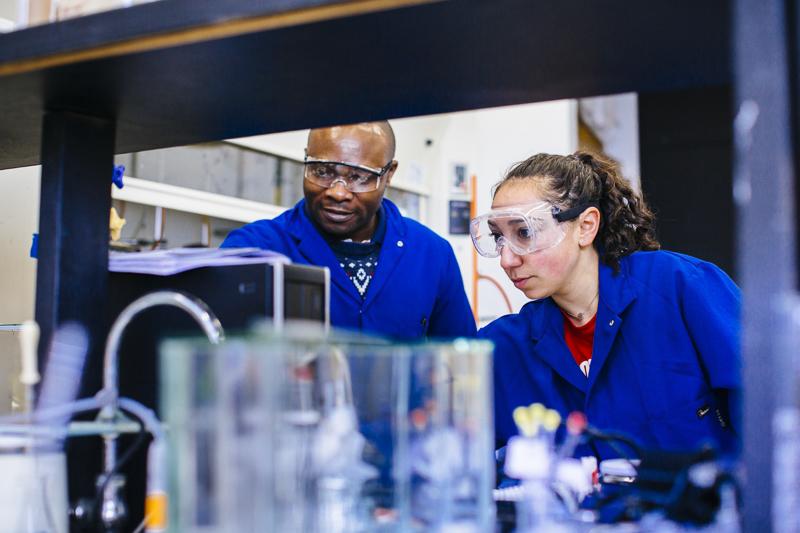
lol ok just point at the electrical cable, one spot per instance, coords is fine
(141, 526)
(612, 439)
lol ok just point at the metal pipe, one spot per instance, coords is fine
(193, 306)
(211, 326)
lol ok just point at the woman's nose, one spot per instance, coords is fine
(508, 259)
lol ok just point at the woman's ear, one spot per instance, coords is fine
(588, 226)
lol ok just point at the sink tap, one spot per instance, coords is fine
(113, 514)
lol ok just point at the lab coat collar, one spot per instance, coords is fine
(394, 247)
(316, 250)
(547, 328)
(616, 294)
(547, 332)
(313, 247)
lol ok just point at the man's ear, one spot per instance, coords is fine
(588, 226)
(387, 178)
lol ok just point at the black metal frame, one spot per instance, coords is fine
(72, 271)
(765, 192)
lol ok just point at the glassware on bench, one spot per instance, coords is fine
(302, 430)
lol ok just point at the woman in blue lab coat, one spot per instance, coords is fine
(645, 342)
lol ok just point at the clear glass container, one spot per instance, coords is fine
(303, 431)
(33, 488)
(217, 403)
(451, 436)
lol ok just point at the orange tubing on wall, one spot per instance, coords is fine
(476, 276)
(473, 196)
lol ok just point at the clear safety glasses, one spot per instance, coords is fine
(356, 178)
(524, 229)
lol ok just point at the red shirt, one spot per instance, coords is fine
(579, 340)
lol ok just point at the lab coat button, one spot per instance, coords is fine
(400, 244)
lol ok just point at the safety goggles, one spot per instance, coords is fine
(524, 229)
(355, 178)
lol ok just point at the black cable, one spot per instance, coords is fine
(141, 435)
(615, 437)
(612, 439)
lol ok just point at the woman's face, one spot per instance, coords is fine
(546, 272)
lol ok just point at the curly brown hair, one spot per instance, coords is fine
(626, 224)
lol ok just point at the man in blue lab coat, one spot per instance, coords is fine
(390, 275)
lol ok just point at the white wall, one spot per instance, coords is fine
(19, 219)
(615, 121)
(289, 144)
(9, 9)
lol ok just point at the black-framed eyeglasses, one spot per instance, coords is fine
(355, 178)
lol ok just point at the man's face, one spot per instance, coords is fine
(337, 211)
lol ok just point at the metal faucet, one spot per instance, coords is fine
(112, 510)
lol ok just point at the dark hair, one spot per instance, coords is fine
(626, 223)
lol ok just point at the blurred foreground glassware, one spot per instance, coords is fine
(451, 436)
(302, 431)
(217, 403)
(33, 487)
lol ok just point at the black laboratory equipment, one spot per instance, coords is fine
(239, 296)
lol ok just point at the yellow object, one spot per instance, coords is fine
(530, 419)
(537, 411)
(523, 421)
(115, 225)
(155, 511)
(551, 420)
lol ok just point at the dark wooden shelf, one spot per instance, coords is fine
(185, 71)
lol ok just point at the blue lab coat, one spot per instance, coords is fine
(417, 290)
(665, 358)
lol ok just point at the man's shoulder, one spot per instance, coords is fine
(265, 233)
(421, 231)
(412, 228)
(269, 225)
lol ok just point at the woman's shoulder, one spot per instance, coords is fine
(664, 260)
(664, 268)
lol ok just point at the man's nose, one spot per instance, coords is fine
(338, 190)
(508, 259)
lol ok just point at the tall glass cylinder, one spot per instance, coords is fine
(451, 437)
(300, 430)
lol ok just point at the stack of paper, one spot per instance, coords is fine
(167, 262)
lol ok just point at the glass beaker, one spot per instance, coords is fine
(218, 404)
(33, 487)
(305, 430)
(451, 436)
